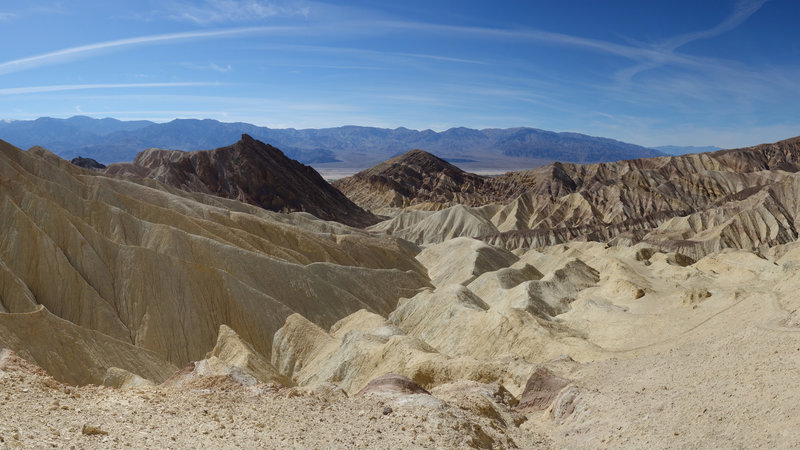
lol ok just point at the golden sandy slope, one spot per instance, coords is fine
(136, 275)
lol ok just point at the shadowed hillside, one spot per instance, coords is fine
(251, 172)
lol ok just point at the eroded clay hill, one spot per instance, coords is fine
(421, 180)
(251, 172)
(744, 198)
(99, 271)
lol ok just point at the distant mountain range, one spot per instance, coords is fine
(110, 140)
(685, 150)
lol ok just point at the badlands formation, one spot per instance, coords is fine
(638, 304)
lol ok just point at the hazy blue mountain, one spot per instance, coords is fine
(685, 150)
(111, 140)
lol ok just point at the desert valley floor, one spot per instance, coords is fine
(178, 301)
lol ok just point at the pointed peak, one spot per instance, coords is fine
(422, 158)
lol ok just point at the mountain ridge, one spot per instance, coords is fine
(110, 140)
(695, 204)
(249, 171)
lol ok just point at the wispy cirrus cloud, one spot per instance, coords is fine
(741, 12)
(648, 55)
(6, 16)
(68, 54)
(222, 69)
(373, 54)
(78, 87)
(232, 11)
(211, 66)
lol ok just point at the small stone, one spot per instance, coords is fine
(387, 410)
(91, 430)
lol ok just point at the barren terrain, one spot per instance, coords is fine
(136, 314)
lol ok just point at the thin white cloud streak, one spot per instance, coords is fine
(439, 58)
(78, 87)
(627, 51)
(212, 66)
(374, 53)
(220, 11)
(649, 56)
(741, 12)
(6, 16)
(74, 52)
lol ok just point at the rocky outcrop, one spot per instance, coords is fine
(541, 389)
(251, 172)
(87, 163)
(392, 383)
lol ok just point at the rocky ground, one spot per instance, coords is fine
(38, 412)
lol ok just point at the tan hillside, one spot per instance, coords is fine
(157, 270)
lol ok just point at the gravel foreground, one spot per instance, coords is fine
(39, 412)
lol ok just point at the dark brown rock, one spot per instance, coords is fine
(91, 430)
(392, 383)
(87, 163)
(251, 172)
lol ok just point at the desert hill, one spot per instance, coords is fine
(137, 275)
(421, 180)
(251, 172)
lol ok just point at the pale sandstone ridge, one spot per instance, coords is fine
(140, 276)
(251, 172)
(449, 333)
(696, 204)
(231, 358)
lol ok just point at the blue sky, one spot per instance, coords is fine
(652, 72)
